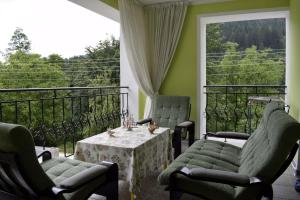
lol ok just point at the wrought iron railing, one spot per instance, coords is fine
(238, 107)
(61, 116)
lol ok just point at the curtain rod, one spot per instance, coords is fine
(162, 3)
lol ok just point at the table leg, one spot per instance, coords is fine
(165, 165)
(132, 196)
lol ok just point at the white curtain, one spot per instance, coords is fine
(151, 35)
(134, 30)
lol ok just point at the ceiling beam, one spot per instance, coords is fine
(100, 8)
(194, 2)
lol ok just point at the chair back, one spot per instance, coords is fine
(168, 111)
(266, 153)
(20, 171)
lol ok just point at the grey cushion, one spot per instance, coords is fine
(59, 169)
(168, 111)
(207, 154)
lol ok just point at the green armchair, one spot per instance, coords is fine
(217, 170)
(22, 177)
(173, 112)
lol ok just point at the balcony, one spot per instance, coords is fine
(61, 116)
(239, 108)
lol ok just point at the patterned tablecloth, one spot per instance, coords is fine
(137, 153)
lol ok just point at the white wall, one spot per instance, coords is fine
(128, 80)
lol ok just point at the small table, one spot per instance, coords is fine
(137, 153)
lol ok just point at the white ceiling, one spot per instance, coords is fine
(149, 2)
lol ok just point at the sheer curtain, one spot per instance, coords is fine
(151, 35)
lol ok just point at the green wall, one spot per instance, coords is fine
(112, 3)
(295, 58)
(182, 76)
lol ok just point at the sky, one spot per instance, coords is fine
(54, 26)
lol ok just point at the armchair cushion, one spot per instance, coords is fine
(204, 189)
(168, 111)
(219, 176)
(207, 154)
(61, 169)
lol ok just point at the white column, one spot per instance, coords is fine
(126, 79)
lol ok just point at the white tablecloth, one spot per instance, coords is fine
(137, 153)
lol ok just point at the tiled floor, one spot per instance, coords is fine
(284, 187)
(283, 190)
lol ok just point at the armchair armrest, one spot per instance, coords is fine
(219, 176)
(190, 126)
(185, 124)
(144, 121)
(46, 155)
(228, 134)
(75, 182)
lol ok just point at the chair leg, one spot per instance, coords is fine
(175, 195)
(177, 142)
(191, 131)
(267, 193)
(113, 191)
(111, 188)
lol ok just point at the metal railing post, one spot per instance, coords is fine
(57, 117)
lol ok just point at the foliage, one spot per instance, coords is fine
(265, 33)
(100, 66)
(242, 53)
(252, 67)
(61, 115)
(108, 53)
(109, 48)
(214, 39)
(24, 70)
(19, 42)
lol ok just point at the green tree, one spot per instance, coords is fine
(77, 71)
(23, 70)
(214, 39)
(55, 59)
(264, 33)
(19, 42)
(100, 66)
(107, 52)
(108, 48)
